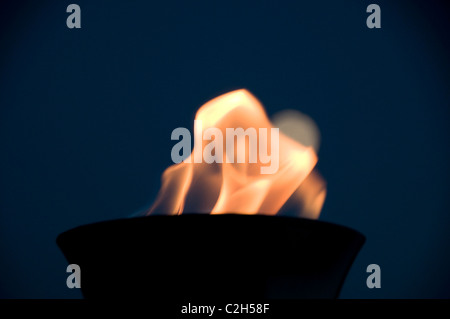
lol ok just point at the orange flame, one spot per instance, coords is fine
(226, 187)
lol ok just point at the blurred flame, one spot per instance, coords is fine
(219, 188)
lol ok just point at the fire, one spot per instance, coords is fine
(235, 186)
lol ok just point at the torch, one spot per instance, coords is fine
(235, 218)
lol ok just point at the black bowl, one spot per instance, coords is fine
(196, 256)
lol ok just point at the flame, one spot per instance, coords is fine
(240, 187)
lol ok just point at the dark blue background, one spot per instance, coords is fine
(86, 116)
